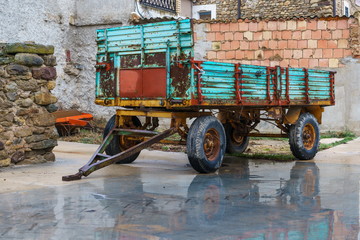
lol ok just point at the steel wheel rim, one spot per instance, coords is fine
(236, 138)
(211, 144)
(309, 136)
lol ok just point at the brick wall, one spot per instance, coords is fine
(311, 43)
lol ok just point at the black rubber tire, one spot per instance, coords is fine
(114, 147)
(195, 144)
(296, 137)
(232, 146)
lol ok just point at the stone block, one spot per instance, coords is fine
(25, 102)
(49, 143)
(44, 98)
(12, 96)
(23, 132)
(51, 108)
(28, 59)
(51, 85)
(47, 73)
(6, 60)
(22, 112)
(43, 120)
(5, 163)
(17, 157)
(29, 48)
(16, 69)
(6, 116)
(3, 155)
(30, 85)
(49, 157)
(49, 60)
(35, 138)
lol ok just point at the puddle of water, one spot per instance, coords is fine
(244, 200)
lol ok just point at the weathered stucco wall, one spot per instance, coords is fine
(326, 43)
(70, 26)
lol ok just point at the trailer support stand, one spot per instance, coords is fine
(99, 160)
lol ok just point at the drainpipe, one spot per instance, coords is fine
(239, 9)
(334, 8)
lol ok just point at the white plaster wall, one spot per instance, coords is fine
(79, 91)
(41, 21)
(346, 112)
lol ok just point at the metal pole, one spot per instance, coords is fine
(334, 8)
(239, 9)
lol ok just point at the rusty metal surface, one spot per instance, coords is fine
(107, 80)
(154, 83)
(130, 61)
(66, 113)
(131, 83)
(180, 80)
(156, 59)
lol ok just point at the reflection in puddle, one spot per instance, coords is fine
(233, 204)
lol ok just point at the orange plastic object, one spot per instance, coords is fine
(72, 117)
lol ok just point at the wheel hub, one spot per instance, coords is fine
(237, 138)
(211, 144)
(309, 136)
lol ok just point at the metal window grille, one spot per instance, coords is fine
(166, 5)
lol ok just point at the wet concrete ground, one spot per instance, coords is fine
(161, 197)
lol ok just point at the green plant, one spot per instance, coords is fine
(342, 134)
(324, 146)
(276, 157)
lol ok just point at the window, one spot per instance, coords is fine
(347, 9)
(166, 5)
(204, 11)
(205, 15)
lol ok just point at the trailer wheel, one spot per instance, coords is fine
(235, 143)
(304, 137)
(120, 143)
(206, 143)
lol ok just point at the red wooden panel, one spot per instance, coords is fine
(154, 82)
(131, 83)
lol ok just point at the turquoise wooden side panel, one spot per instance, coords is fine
(152, 37)
(174, 39)
(262, 84)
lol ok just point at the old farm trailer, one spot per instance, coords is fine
(150, 71)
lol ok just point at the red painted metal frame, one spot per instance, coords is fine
(332, 87)
(306, 78)
(238, 83)
(197, 66)
(287, 94)
(268, 84)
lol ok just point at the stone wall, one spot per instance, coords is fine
(27, 129)
(225, 9)
(325, 43)
(266, 9)
(286, 8)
